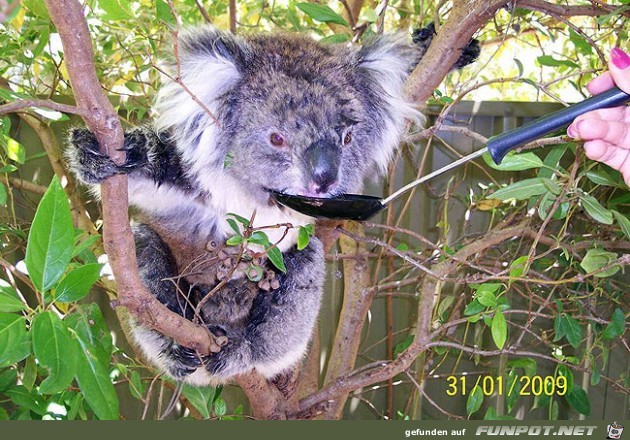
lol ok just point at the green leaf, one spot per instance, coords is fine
(548, 60)
(595, 209)
(514, 385)
(88, 321)
(444, 306)
(8, 169)
(136, 386)
(515, 162)
(473, 308)
(164, 13)
(474, 401)
(321, 13)
(528, 365)
(3, 195)
(519, 65)
(303, 238)
(403, 345)
(487, 298)
(9, 300)
(24, 398)
(200, 397)
(566, 372)
(14, 341)
(517, 267)
(601, 177)
(525, 189)
(573, 332)
(552, 160)
(228, 161)
(51, 238)
(93, 359)
(85, 244)
(240, 219)
(580, 43)
(29, 373)
(259, 237)
(8, 378)
(15, 151)
(623, 221)
(578, 400)
(566, 326)
(77, 283)
(234, 226)
(234, 240)
(499, 329)
(617, 325)
(37, 8)
(335, 39)
(115, 10)
(275, 256)
(74, 406)
(220, 407)
(55, 349)
(595, 259)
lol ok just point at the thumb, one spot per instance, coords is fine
(619, 67)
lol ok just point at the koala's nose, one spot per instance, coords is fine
(323, 178)
(322, 159)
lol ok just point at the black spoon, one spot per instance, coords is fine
(361, 207)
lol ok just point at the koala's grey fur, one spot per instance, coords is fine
(339, 111)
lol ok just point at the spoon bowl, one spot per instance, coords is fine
(343, 207)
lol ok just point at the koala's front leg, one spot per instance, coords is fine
(148, 155)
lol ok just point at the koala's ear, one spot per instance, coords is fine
(209, 62)
(384, 63)
(206, 50)
(388, 60)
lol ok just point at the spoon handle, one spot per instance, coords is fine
(499, 145)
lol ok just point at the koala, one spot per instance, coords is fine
(240, 116)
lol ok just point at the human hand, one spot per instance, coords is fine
(606, 132)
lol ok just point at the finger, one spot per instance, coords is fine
(619, 68)
(612, 132)
(614, 157)
(601, 84)
(596, 150)
(607, 114)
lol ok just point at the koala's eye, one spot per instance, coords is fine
(276, 139)
(347, 138)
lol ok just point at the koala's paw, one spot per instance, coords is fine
(422, 37)
(138, 150)
(469, 54)
(85, 159)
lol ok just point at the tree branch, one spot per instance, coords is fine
(16, 106)
(566, 10)
(102, 120)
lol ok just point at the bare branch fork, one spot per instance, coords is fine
(102, 120)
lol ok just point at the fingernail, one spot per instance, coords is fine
(571, 131)
(619, 58)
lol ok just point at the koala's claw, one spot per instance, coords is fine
(85, 159)
(186, 357)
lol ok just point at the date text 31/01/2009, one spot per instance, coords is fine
(498, 385)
